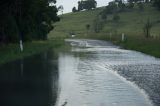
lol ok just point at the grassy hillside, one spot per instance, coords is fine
(74, 22)
(131, 23)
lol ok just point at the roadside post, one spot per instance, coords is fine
(21, 45)
(123, 37)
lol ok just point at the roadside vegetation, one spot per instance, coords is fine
(28, 22)
(12, 51)
(137, 22)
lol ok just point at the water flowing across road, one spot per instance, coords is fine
(97, 73)
(91, 73)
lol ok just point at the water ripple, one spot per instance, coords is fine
(106, 75)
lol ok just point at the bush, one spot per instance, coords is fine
(141, 6)
(116, 18)
(74, 9)
(131, 5)
(147, 29)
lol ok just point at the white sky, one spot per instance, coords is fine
(69, 4)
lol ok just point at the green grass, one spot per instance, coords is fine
(73, 22)
(12, 52)
(142, 44)
(131, 23)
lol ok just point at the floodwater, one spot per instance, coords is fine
(31, 81)
(91, 73)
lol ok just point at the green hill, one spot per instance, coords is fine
(74, 22)
(131, 23)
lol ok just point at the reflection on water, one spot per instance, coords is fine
(29, 82)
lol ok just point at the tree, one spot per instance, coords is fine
(111, 8)
(116, 18)
(135, 1)
(156, 3)
(60, 8)
(141, 6)
(98, 24)
(131, 5)
(88, 27)
(26, 19)
(74, 9)
(147, 28)
(87, 4)
(80, 7)
(104, 17)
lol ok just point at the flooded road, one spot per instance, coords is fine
(97, 73)
(91, 73)
(32, 81)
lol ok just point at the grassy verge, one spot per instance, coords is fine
(149, 46)
(145, 45)
(12, 52)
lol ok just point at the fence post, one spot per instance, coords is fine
(123, 37)
(21, 45)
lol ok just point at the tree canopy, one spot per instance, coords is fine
(26, 19)
(131, 1)
(86, 4)
(156, 3)
(74, 9)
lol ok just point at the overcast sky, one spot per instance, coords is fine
(69, 4)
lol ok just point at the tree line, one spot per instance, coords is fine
(85, 4)
(26, 19)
